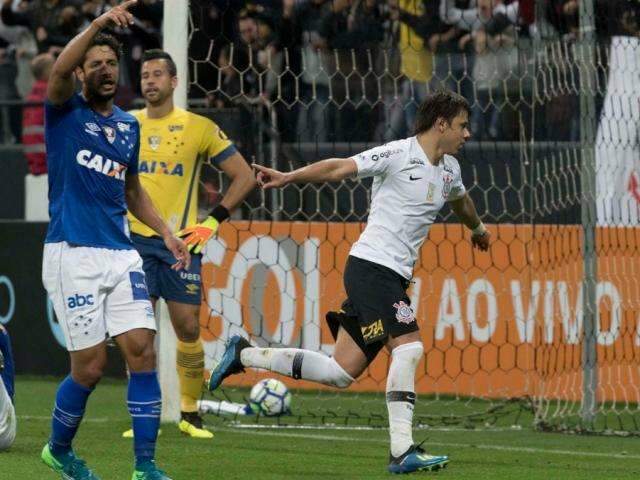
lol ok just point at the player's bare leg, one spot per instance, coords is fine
(339, 371)
(87, 366)
(190, 366)
(406, 351)
(348, 355)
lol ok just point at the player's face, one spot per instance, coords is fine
(99, 73)
(156, 83)
(456, 133)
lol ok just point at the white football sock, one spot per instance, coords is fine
(297, 363)
(401, 396)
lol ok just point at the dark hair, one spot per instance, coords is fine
(158, 54)
(441, 104)
(108, 40)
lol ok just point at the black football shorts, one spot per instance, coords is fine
(377, 306)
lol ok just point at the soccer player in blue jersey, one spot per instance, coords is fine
(7, 412)
(91, 270)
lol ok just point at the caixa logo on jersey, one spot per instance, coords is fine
(77, 301)
(98, 163)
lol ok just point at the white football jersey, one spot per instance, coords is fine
(406, 195)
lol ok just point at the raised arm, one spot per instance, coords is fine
(465, 210)
(329, 170)
(62, 82)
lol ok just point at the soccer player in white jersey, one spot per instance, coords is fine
(413, 178)
(91, 270)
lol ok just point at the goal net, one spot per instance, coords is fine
(542, 330)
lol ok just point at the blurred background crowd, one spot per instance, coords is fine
(330, 70)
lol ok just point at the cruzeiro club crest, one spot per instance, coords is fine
(404, 313)
(109, 132)
(154, 141)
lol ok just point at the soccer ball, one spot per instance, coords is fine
(270, 397)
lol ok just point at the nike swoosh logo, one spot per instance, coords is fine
(411, 177)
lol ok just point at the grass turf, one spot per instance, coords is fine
(293, 453)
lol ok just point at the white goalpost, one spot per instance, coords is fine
(175, 32)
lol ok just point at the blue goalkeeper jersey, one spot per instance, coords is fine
(88, 157)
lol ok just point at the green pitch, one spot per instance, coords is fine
(266, 453)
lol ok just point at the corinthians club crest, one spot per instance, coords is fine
(109, 132)
(404, 313)
(154, 141)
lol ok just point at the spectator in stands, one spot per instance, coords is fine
(313, 119)
(22, 39)
(353, 31)
(248, 50)
(279, 56)
(265, 68)
(54, 22)
(229, 88)
(471, 19)
(451, 67)
(33, 115)
(418, 24)
(495, 61)
(9, 116)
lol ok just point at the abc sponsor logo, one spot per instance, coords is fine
(77, 301)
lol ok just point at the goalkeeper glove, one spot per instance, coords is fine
(199, 234)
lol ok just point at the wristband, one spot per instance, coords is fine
(479, 230)
(220, 213)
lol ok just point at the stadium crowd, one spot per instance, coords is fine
(333, 70)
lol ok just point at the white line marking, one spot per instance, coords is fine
(44, 418)
(255, 431)
(442, 444)
(329, 426)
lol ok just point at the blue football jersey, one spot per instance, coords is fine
(88, 156)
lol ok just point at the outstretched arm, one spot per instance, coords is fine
(329, 170)
(62, 81)
(465, 210)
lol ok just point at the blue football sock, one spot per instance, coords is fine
(8, 372)
(71, 400)
(145, 403)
